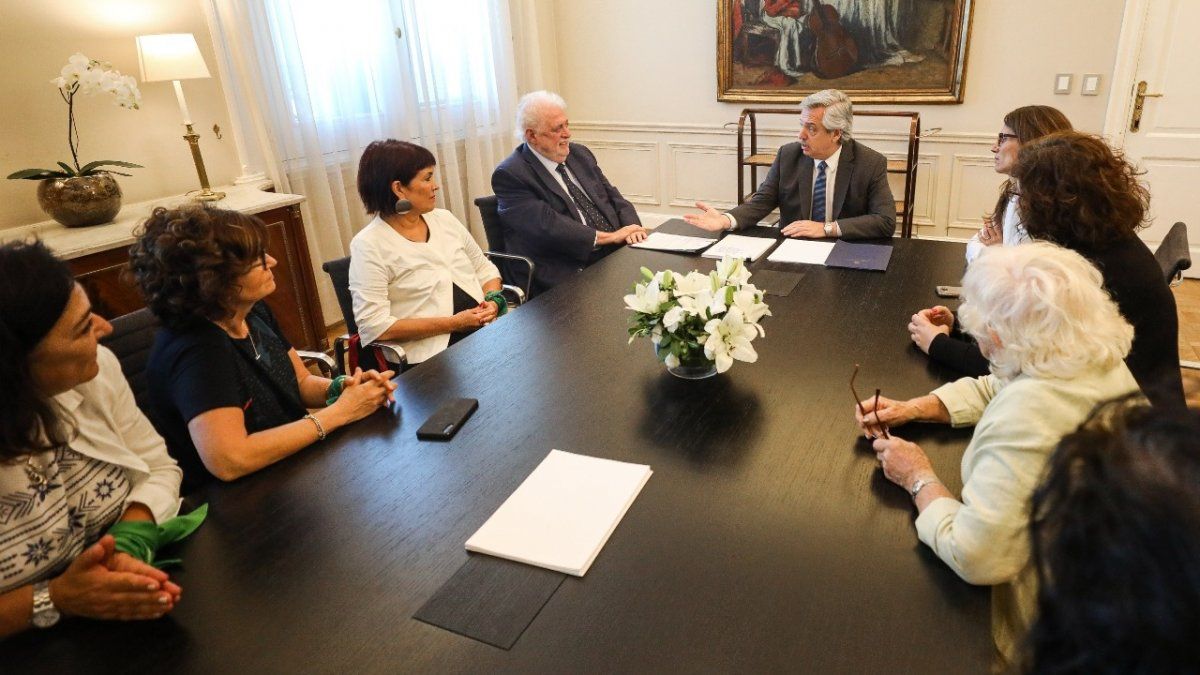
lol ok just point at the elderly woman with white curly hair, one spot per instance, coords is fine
(1056, 345)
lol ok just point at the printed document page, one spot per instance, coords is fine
(802, 251)
(740, 246)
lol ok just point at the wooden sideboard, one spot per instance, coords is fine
(99, 257)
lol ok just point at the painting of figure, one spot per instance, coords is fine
(879, 51)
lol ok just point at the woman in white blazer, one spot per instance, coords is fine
(1056, 344)
(76, 457)
(416, 275)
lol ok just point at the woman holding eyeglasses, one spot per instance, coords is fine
(1056, 344)
(231, 396)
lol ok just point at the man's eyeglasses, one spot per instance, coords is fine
(1001, 137)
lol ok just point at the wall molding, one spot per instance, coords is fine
(675, 150)
(652, 199)
(954, 218)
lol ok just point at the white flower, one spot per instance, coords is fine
(729, 338)
(672, 361)
(748, 300)
(646, 298)
(732, 271)
(674, 317)
(692, 283)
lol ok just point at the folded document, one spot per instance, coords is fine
(662, 241)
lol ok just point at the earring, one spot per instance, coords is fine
(403, 206)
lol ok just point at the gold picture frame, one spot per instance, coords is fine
(877, 51)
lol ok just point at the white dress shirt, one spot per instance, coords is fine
(393, 278)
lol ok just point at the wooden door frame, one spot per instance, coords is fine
(1124, 78)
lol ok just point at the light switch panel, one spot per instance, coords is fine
(1090, 84)
(1062, 83)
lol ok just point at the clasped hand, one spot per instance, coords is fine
(928, 324)
(103, 584)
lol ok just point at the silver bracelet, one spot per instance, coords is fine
(921, 485)
(320, 427)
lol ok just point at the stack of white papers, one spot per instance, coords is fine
(661, 241)
(563, 513)
(800, 251)
(739, 246)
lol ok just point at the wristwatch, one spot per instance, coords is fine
(922, 484)
(45, 614)
(828, 229)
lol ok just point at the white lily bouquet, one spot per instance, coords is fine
(697, 318)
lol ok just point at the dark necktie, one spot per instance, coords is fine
(818, 203)
(592, 215)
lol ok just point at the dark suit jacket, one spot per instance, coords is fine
(862, 204)
(540, 221)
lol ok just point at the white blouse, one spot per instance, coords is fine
(393, 278)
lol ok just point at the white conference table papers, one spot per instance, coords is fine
(801, 251)
(563, 513)
(662, 241)
(740, 246)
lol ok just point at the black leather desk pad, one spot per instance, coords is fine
(775, 282)
(491, 599)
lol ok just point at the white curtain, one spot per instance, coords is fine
(312, 82)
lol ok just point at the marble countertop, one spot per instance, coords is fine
(76, 242)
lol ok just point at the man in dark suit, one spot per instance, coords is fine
(556, 207)
(825, 185)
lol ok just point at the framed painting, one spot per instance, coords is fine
(877, 51)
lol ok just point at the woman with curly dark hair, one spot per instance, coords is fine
(1076, 192)
(76, 458)
(231, 396)
(1115, 531)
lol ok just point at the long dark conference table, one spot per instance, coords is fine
(767, 539)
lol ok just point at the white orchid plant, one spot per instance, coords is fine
(82, 75)
(698, 317)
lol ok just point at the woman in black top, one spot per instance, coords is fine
(1076, 192)
(230, 394)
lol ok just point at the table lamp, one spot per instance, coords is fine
(175, 57)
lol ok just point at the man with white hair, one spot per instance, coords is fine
(825, 185)
(556, 206)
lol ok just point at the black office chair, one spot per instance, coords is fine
(1173, 254)
(339, 275)
(131, 341)
(497, 250)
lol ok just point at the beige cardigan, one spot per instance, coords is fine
(984, 538)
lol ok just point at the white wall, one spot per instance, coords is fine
(35, 40)
(640, 79)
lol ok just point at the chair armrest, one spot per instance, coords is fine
(392, 352)
(324, 361)
(519, 258)
(513, 294)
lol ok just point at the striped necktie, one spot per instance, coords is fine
(818, 200)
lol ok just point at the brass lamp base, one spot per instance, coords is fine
(205, 193)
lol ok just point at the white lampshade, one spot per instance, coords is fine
(171, 56)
